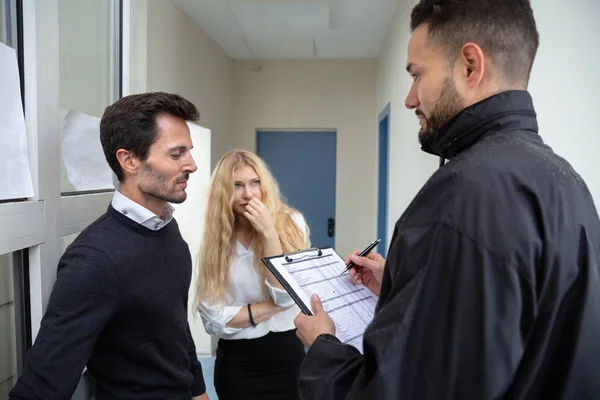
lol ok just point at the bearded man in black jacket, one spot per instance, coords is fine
(491, 289)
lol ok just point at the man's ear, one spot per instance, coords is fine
(472, 64)
(130, 164)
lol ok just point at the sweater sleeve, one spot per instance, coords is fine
(198, 386)
(84, 298)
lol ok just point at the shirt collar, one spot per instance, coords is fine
(140, 214)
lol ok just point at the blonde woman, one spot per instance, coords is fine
(241, 303)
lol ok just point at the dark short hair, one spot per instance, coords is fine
(130, 123)
(504, 29)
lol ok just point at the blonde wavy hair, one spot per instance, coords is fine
(218, 243)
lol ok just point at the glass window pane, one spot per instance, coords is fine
(8, 327)
(67, 240)
(89, 51)
(3, 23)
(17, 186)
(8, 23)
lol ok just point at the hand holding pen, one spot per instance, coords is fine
(362, 254)
(367, 270)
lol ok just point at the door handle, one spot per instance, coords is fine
(331, 227)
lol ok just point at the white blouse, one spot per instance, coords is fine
(245, 288)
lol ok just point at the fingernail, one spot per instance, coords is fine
(354, 258)
(314, 297)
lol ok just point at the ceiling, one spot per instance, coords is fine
(284, 29)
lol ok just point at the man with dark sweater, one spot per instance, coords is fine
(491, 288)
(119, 304)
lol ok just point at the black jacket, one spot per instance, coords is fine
(491, 287)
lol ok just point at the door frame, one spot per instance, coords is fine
(383, 167)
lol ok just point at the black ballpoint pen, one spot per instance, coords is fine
(362, 254)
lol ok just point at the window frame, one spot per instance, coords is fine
(36, 225)
(20, 264)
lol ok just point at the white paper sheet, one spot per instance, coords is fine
(350, 306)
(15, 174)
(84, 158)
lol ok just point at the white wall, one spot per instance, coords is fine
(409, 167)
(564, 85)
(319, 94)
(190, 218)
(183, 59)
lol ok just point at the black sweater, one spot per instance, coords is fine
(119, 305)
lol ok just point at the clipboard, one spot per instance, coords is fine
(316, 270)
(311, 253)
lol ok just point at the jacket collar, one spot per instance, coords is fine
(511, 110)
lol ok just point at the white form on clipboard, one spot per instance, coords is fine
(303, 273)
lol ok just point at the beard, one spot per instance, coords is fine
(447, 106)
(158, 185)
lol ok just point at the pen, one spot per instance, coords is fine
(362, 254)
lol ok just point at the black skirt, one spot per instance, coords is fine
(261, 368)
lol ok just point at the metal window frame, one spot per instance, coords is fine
(20, 265)
(34, 227)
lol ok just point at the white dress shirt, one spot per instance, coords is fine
(141, 214)
(245, 288)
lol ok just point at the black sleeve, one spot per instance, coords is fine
(447, 328)
(83, 299)
(198, 387)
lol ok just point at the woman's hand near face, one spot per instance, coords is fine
(259, 216)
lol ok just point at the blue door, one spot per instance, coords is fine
(303, 163)
(382, 195)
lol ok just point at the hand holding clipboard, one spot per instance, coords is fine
(316, 271)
